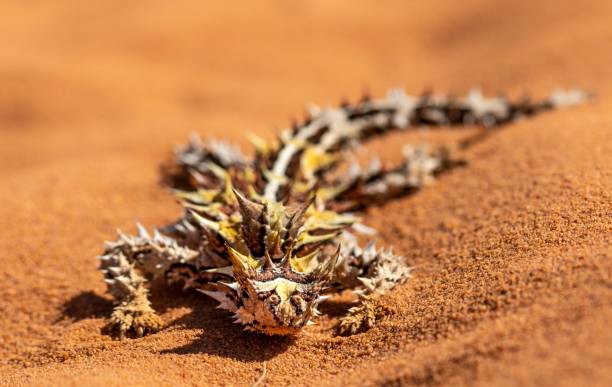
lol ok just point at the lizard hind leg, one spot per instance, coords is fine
(377, 271)
(128, 264)
(376, 185)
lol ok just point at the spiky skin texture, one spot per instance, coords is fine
(270, 237)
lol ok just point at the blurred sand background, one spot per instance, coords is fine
(512, 263)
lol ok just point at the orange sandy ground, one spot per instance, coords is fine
(512, 280)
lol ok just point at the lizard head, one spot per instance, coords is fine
(281, 257)
(279, 298)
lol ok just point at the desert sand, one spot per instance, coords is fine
(511, 254)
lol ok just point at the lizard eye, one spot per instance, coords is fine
(299, 303)
(274, 299)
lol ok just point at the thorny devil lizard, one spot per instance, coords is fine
(271, 237)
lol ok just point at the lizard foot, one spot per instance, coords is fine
(359, 318)
(136, 319)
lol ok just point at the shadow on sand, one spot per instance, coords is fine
(220, 336)
(87, 304)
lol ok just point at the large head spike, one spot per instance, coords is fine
(324, 270)
(267, 262)
(297, 221)
(243, 265)
(304, 263)
(285, 264)
(247, 207)
(253, 223)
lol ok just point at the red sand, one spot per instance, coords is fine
(512, 264)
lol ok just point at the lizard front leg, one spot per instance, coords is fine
(371, 272)
(197, 161)
(128, 265)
